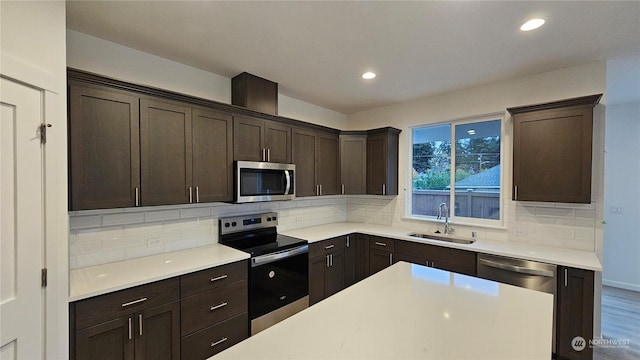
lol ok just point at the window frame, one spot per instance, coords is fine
(453, 219)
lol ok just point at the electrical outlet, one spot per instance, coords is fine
(520, 232)
(154, 241)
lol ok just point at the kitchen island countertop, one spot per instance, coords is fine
(102, 279)
(553, 255)
(410, 311)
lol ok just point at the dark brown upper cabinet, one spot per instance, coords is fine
(165, 153)
(353, 163)
(261, 140)
(104, 157)
(212, 140)
(552, 145)
(255, 93)
(315, 154)
(382, 161)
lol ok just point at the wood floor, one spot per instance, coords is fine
(620, 321)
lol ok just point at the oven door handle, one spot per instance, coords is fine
(265, 259)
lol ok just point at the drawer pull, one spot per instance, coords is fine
(329, 247)
(380, 243)
(134, 302)
(218, 306)
(130, 337)
(218, 342)
(219, 278)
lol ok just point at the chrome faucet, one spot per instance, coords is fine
(447, 230)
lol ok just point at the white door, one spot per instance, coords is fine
(21, 223)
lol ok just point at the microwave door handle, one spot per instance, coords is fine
(288, 185)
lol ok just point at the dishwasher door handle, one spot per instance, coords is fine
(517, 269)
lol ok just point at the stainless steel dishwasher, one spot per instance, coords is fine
(524, 273)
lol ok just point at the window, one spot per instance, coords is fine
(458, 164)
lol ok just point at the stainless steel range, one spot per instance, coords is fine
(279, 274)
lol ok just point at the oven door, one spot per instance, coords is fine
(278, 279)
(262, 181)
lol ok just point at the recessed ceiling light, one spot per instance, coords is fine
(368, 75)
(471, 132)
(532, 24)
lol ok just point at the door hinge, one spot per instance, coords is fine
(43, 277)
(43, 132)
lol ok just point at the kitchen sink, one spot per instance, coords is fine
(442, 238)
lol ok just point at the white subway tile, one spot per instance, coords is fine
(585, 214)
(154, 216)
(141, 251)
(86, 247)
(555, 212)
(122, 242)
(196, 212)
(83, 222)
(123, 219)
(142, 229)
(102, 257)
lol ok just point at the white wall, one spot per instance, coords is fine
(554, 224)
(33, 51)
(103, 57)
(622, 175)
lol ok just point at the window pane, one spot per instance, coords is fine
(431, 169)
(477, 164)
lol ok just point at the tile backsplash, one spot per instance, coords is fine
(104, 236)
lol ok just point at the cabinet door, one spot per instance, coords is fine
(248, 135)
(334, 278)
(552, 155)
(212, 156)
(317, 267)
(575, 312)
(349, 260)
(376, 165)
(157, 333)
(304, 157)
(327, 161)
(277, 140)
(379, 259)
(362, 256)
(112, 340)
(104, 151)
(353, 164)
(165, 139)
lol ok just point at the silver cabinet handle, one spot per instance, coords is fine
(197, 195)
(190, 195)
(391, 259)
(317, 189)
(218, 342)
(269, 155)
(516, 192)
(320, 189)
(384, 189)
(380, 243)
(517, 269)
(327, 258)
(140, 323)
(331, 259)
(347, 244)
(263, 155)
(218, 278)
(134, 302)
(130, 336)
(329, 247)
(137, 196)
(342, 189)
(566, 278)
(218, 306)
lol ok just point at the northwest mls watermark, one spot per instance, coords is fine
(579, 343)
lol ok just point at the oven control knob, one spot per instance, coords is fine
(233, 223)
(274, 218)
(226, 225)
(268, 219)
(272, 274)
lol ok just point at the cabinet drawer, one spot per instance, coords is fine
(213, 306)
(210, 341)
(326, 246)
(103, 308)
(213, 278)
(376, 242)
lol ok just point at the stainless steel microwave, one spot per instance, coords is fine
(264, 181)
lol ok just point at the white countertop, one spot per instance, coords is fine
(409, 311)
(566, 257)
(102, 279)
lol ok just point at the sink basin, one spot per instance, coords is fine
(442, 238)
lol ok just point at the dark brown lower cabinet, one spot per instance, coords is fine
(380, 253)
(455, 260)
(326, 275)
(574, 313)
(150, 334)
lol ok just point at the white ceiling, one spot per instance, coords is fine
(316, 51)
